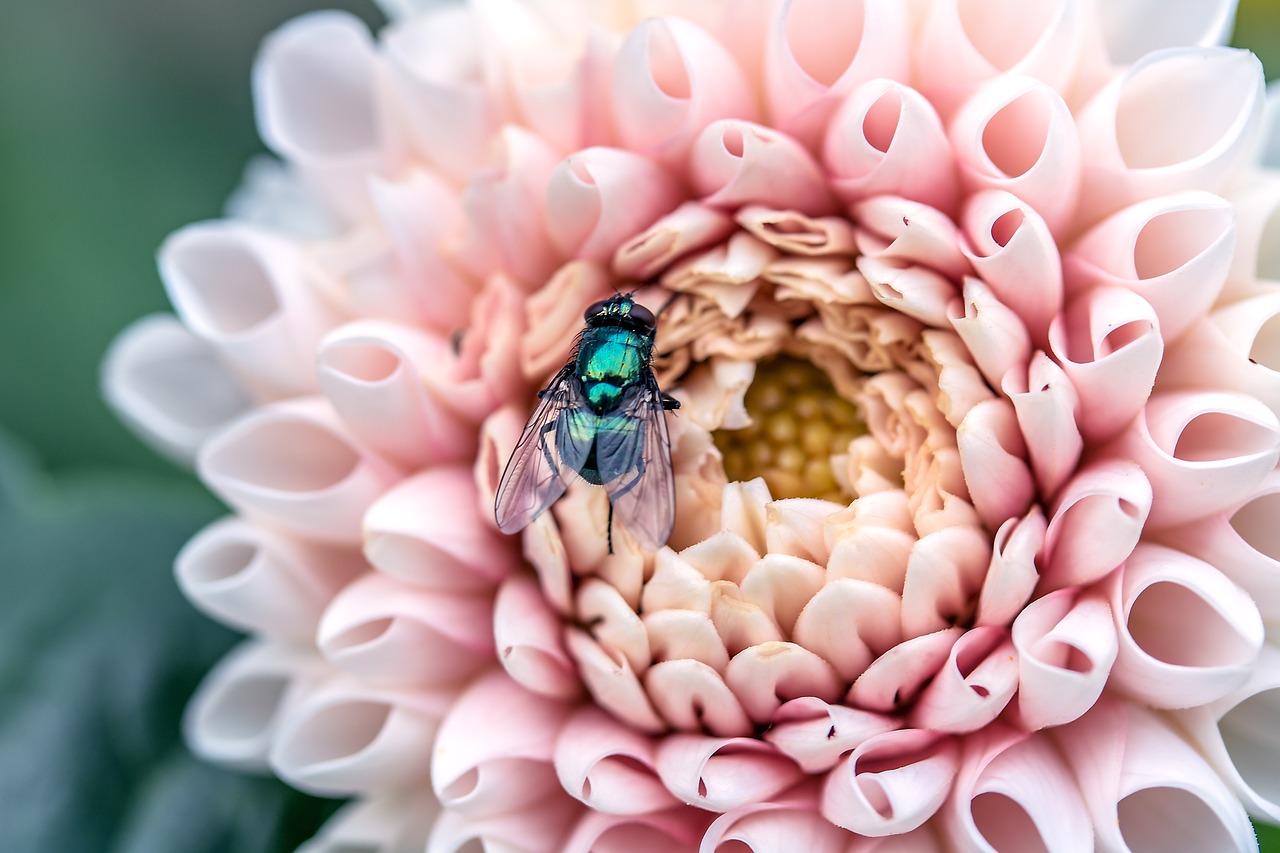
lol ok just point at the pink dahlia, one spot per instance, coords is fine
(976, 338)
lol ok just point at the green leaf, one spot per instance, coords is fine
(98, 655)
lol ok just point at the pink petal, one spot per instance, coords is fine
(675, 829)
(689, 227)
(528, 635)
(1097, 520)
(1202, 451)
(293, 464)
(609, 766)
(483, 370)
(1157, 595)
(736, 163)
(1066, 645)
(494, 749)
(1017, 134)
(994, 335)
(993, 454)
(1181, 118)
(910, 232)
(348, 737)
(1109, 345)
(944, 573)
(913, 290)
(1173, 251)
(1012, 575)
(598, 198)
(796, 234)
(849, 623)
(782, 585)
(386, 632)
(685, 635)
(760, 827)
(886, 138)
(973, 686)
(691, 695)
(1134, 28)
(896, 677)
(719, 774)
(612, 683)
(255, 297)
(553, 316)
(670, 80)
(1012, 250)
(430, 531)
(1045, 403)
(169, 386)
(1016, 793)
(399, 820)
(614, 623)
(766, 675)
(1242, 339)
(371, 372)
(891, 783)
(235, 715)
(817, 51)
(815, 734)
(540, 827)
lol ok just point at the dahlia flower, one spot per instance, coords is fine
(976, 333)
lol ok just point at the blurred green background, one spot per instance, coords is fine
(120, 122)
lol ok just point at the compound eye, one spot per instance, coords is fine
(596, 309)
(642, 314)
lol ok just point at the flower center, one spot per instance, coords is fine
(798, 422)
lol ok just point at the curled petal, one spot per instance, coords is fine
(766, 675)
(292, 464)
(1011, 249)
(913, 290)
(1133, 29)
(1017, 134)
(737, 163)
(849, 623)
(944, 572)
(614, 623)
(685, 635)
(886, 138)
(1173, 251)
(1240, 349)
(386, 632)
(689, 227)
(315, 87)
(554, 315)
(670, 80)
(994, 335)
(495, 748)
(235, 715)
(429, 530)
(597, 832)
(993, 454)
(691, 695)
(891, 783)
(910, 232)
(896, 677)
(169, 386)
(815, 734)
(599, 197)
(612, 683)
(719, 774)
(609, 766)
(256, 580)
(255, 298)
(1146, 787)
(796, 234)
(371, 372)
(390, 822)
(782, 585)
(1256, 207)
(540, 827)
(1012, 575)
(1153, 600)
(1097, 521)
(1045, 403)
(1202, 451)
(1109, 345)
(1066, 646)
(348, 737)
(1181, 118)
(528, 637)
(973, 686)
(790, 823)
(817, 51)
(1015, 792)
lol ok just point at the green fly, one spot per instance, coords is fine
(602, 418)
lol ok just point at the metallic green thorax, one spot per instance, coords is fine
(611, 360)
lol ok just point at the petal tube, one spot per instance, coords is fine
(1017, 134)
(1134, 28)
(541, 827)
(236, 714)
(387, 632)
(169, 386)
(1180, 118)
(612, 683)
(597, 832)
(348, 737)
(397, 822)
(1153, 600)
(255, 297)
(719, 774)
(495, 747)
(1243, 342)
(849, 623)
(431, 530)
(993, 454)
(814, 734)
(670, 80)
(885, 137)
(791, 824)
(292, 464)
(1065, 647)
(689, 227)
(973, 686)
(766, 675)
(737, 163)
(994, 335)
(891, 783)
(944, 572)
(609, 766)
(1097, 520)
(691, 695)
(316, 90)
(897, 676)
(255, 579)
(371, 372)
(529, 639)
(1011, 577)
(1045, 403)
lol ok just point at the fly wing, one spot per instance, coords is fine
(634, 459)
(551, 451)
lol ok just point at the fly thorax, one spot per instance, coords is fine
(602, 396)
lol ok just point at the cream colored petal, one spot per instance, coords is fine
(993, 454)
(849, 623)
(692, 696)
(689, 227)
(796, 234)
(796, 527)
(915, 291)
(614, 624)
(768, 674)
(994, 335)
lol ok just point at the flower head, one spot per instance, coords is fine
(974, 332)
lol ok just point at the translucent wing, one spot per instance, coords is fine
(551, 451)
(633, 453)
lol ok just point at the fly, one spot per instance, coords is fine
(602, 418)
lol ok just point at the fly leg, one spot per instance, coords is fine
(542, 442)
(631, 484)
(609, 527)
(669, 402)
